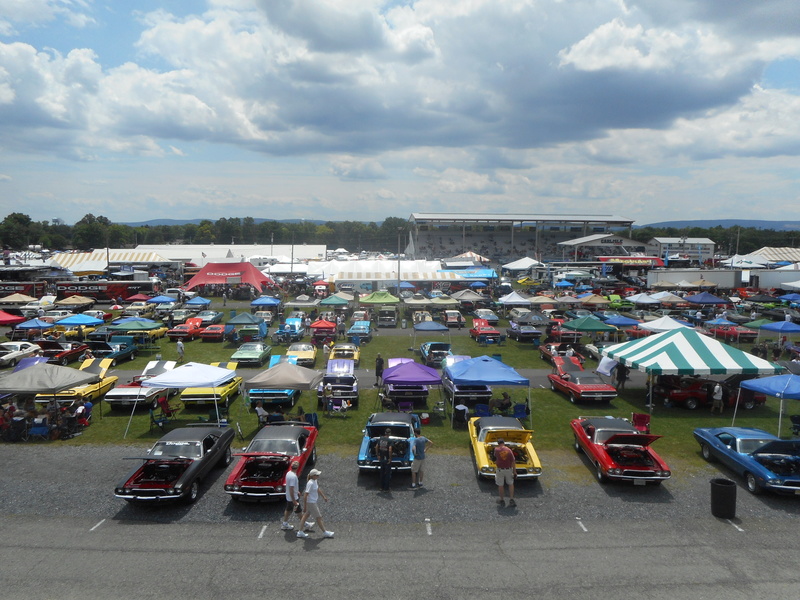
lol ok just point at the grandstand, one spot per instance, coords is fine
(504, 237)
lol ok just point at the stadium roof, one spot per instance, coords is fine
(518, 218)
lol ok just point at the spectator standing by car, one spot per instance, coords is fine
(716, 399)
(378, 369)
(224, 298)
(621, 376)
(292, 494)
(310, 506)
(506, 472)
(181, 350)
(341, 329)
(385, 451)
(418, 450)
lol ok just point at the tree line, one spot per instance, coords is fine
(18, 232)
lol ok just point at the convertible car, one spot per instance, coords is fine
(90, 391)
(61, 353)
(305, 352)
(569, 378)
(618, 451)
(132, 393)
(548, 351)
(252, 354)
(174, 467)
(401, 436)
(261, 471)
(434, 353)
(765, 461)
(12, 352)
(483, 435)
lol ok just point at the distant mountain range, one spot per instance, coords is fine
(704, 223)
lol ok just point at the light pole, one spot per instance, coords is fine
(399, 234)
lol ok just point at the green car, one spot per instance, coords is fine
(252, 353)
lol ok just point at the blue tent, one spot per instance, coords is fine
(780, 326)
(198, 301)
(621, 321)
(779, 386)
(705, 298)
(76, 320)
(719, 321)
(793, 297)
(34, 324)
(484, 370)
(564, 283)
(265, 301)
(477, 284)
(405, 285)
(161, 299)
(430, 326)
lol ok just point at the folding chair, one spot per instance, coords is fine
(160, 421)
(460, 418)
(483, 410)
(405, 407)
(641, 422)
(338, 407)
(520, 411)
(167, 410)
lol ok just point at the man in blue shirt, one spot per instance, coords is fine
(418, 449)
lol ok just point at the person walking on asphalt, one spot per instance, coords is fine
(310, 507)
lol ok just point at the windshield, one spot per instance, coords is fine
(750, 446)
(288, 447)
(177, 449)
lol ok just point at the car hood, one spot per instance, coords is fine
(632, 439)
(516, 436)
(785, 447)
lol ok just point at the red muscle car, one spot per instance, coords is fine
(482, 329)
(734, 333)
(61, 353)
(569, 378)
(187, 331)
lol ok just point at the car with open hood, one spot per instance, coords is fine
(341, 377)
(401, 436)
(133, 394)
(571, 379)
(765, 461)
(89, 391)
(345, 351)
(61, 353)
(484, 433)
(617, 451)
(193, 328)
(175, 466)
(260, 472)
(304, 352)
(434, 353)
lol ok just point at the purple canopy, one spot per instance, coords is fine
(412, 373)
(705, 298)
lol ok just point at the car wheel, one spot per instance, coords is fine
(691, 403)
(572, 398)
(12, 362)
(227, 458)
(194, 492)
(752, 483)
(552, 386)
(64, 362)
(601, 477)
(114, 362)
(706, 452)
(312, 460)
(577, 445)
(749, 404)
(133, 355)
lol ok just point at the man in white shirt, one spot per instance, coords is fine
(292, 492)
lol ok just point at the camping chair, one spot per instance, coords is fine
(483, 410)
(405, 407)
(460, 418)
(520, 411)
(166, 409)
(641, 422)
(312, 419)
(337, 407)
(160, 421)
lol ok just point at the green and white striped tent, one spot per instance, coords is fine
(687, 352)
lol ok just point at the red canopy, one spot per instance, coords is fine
(138, 298)
(9, 319)
(321, 282)
(323, 324)
(229, 273)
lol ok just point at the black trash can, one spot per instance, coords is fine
(723, 498)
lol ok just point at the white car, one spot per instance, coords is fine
(516, 313)
(12, 352)
(175, 292)
(488, 315)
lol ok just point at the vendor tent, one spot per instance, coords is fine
(229, 274)
(663, 324)
(588, 324)
(411, 373)
(198, 301)
(334, 300)
(44, 379)
(595, 299)
(621, 321)
(429, 327)
(245, 318)
(9, 319)
(162, 299)
(17, 298)
(444, 300)
(642, 299)
(514, 299)
(705, 298)
(75, 301)
(467, 296)
(380, 297)
(786, 327)
(265, 301)
(34, 324)
(81, 319)
(523, 264)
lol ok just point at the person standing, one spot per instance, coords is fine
(292, 495)
(340, 330)
(716, 399)
(506, 472)
(181, 350)
(224, 298)
(621, 376)
(379, 370)
(310, 506)
(418, 450)
(385, 451)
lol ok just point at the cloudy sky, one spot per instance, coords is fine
(363, 109)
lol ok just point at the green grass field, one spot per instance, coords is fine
(550, 412)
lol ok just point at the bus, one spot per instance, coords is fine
(102, 290)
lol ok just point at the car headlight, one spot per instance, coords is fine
(362, 462)
(536, 470)
(487, 469)
(775, 482)
(665, 474)
(615, 471)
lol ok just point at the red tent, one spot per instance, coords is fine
(138, 298)
(229, 273)
(9, 319)
(323, 324)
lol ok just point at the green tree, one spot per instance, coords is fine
(15, 231)
(91, 232)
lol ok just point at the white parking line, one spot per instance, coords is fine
(581, 525)
(735, 525)
(98, 525)
(428, 526)
(262, 532)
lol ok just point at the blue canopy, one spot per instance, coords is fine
(198, 301)
(412, 373)
(705, 298)
(779, 386)
(430, 326)
(265, 301)
(780, 326)
(793, 297)
(76, 320)
(564, 283)
(34, 324)
(477, 284)
(484, 370)
(161, 299)
(719, 321)
(405, 285)
(133, 320)
(621, 321)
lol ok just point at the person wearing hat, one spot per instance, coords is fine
(506, 472)
(310, 506)
(327, 397)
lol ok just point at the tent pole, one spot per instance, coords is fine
(736, 406)
(133, 410)
(528, 403)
